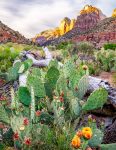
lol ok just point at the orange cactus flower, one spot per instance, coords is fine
(76, 142)
(87, 132)
(79, 133)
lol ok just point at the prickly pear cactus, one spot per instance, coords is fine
(24, 96)
(68, 68)
(76, 108)
(82, 86)
(74, 79)
(28, 63)
(62, 85)
(51, 80)
(32, 104)
(97, 138)
(34, 80)
(4, 116)
(25, 66)
(96, 100)
(108, 146)
(13, 72)
(53, 63)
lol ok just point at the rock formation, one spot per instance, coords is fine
(114, 13)
(88, 18)
(9, 35)
(65, 26)
(91, 26)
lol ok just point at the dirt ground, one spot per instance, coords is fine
(110, 77)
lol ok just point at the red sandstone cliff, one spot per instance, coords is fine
(88, 18)
(9, 35)
(93, 26)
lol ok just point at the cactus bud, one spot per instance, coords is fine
(85, 67)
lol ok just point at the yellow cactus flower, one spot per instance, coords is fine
(22, 128)
(76, 142)
(87, 132)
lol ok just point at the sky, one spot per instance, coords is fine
(30, 17)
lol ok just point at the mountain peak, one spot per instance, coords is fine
(89, 9)
(114, 13)
(66, 25)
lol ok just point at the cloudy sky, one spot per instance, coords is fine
(30, 17)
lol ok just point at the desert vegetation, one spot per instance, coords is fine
(54, 109)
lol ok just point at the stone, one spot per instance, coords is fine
(65, 25)
(114, 13)
(9, 35)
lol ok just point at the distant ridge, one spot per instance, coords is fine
(103, 32)
(9, 35)
(91, 25)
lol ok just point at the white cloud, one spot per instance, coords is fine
(32, 16)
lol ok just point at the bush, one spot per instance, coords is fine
(9, 52)
(107, 60)
(85, 48)
(110, 46)
(63, 45)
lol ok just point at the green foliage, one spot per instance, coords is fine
(108, 146)
(46, 118)
(72, 74)
(53, 96)
(110, 46)
(62, 85)
(4, 116)
(75, 106)
(13, 72)
(68, 68)
(64, 45)
(53, 63)
(2, 147)
(8, 138)
(107, 60)
(9, 52)
(85, 48)
(24, 96)
(97, 138)
(18, 68)
(82, 86)
(28, 63)
(51, 80)
(96, 99)
(34, 80)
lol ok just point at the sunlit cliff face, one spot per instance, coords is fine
(89, 9)
(114, 13)
(65, 25)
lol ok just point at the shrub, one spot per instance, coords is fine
(9, 52)
(110, 46)
(85, 48)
